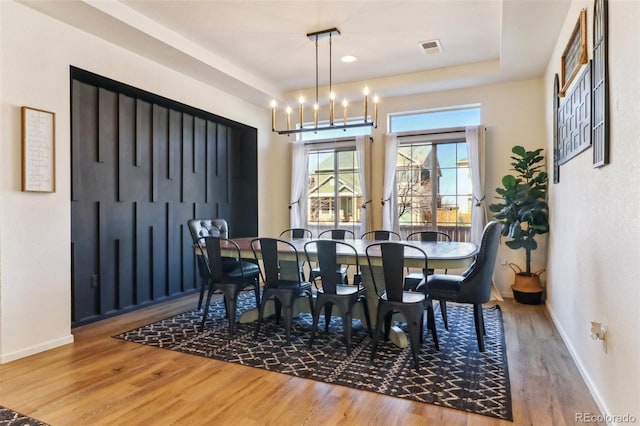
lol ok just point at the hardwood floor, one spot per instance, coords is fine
(99, 380)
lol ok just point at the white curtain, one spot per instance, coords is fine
(475, 136)
(361, 149)
(299, 183)
(390, 219)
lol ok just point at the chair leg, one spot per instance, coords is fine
(231, 299)
(288, 319)
(479, 322)
(387, 324)
(346, 326)
(367, 317)
(431, 323)
(376, 335)
(202, 288)
(260, 315)
(443, 311)
(278, 309)
(314, 327)
(205, 314)
(256, 290)
(327, 315)
(414, 339)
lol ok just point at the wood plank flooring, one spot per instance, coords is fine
(99, 380)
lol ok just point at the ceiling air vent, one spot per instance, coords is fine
(430, 47)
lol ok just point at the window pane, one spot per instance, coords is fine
(435, 119)
(446, 155)
(334, 190)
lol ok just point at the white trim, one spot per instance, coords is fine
(23, 353)
(579, 365)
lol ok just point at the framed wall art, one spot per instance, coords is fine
(38, 150)
(575, 53)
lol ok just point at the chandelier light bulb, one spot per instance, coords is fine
(288, 117)
(273, 115)
(344, 109)
(376, 99)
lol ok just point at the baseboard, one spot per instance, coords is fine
(581, 368)
(5, 358)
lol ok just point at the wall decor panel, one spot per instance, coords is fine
(142, 166)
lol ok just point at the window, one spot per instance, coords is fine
(334, 196)
(433, 179)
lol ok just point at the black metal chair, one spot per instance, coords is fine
(474, 285)
(394, 299)
(332, 292)
(413, 280)
(337, 234)
(380, 235)
(296, 233)
(199, 228)
(283, 292)
(221, 277)
(340, 235)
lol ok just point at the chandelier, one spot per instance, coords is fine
(333, 123)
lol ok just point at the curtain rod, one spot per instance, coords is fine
(337, 140)
(431, 132)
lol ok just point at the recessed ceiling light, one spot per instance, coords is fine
(348, 58)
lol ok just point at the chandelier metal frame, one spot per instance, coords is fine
(315, 36)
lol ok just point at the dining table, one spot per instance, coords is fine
(440, 255)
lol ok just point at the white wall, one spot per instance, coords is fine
(513, 114)
(594, 243)
(35, 55)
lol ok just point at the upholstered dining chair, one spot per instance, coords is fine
(380, 235)
(282, 291)
(394, 299)
(474, 285)
(223, 278)
(413, 280)
(199, 228)
(333, 292)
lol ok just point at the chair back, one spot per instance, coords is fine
(393, 255)
(429, 236)
(337, 234)
(269, 251)
(327, 252)
(208, 228)
(296, 233)
(212, 259)
(380, 235)
(477, 283)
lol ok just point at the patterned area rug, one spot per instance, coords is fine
(458, 376)
(11, 418)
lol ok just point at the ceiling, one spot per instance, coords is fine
(259, 50)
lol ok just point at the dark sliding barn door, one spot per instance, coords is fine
(143, 165)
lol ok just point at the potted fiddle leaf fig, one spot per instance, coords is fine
(524, 214)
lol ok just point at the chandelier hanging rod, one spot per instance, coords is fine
(315, 36)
